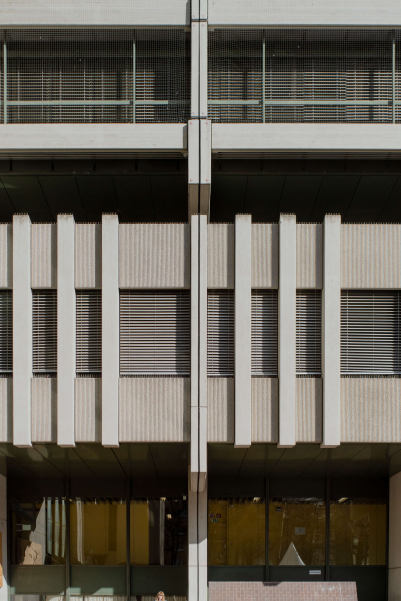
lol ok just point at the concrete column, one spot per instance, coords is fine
(394, 551)
(243, 324)
(3, 532)
(198, 462)
(66, 331)
(22, 331)
(197, 546)
(110, 331)
(287, 329)
(331, 330)
(193, 167)
(205, 169)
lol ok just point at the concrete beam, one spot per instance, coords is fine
(243, 324)
(66, 331)
(287, 329)
(331, 330)
(110, 331)
(22, 331)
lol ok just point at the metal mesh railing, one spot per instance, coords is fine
(304, 76)
(95, 76)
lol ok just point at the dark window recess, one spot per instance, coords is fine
(220, 333)
(89, 331)
(44, 324)
(6, 331)
(309, 332)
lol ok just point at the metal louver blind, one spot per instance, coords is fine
(6, 331)
(44, 331)
(370, 332)
(309, 332)
(90, 75)
(89, 331)
(220, 333)
(302, 75)
(155, 333)
(264, 333)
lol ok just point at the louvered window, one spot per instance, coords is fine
(89, 331)
(155, 333)
(6, 331)
(370, 332)
(44, 331)
(220, 333)
(264, 332)
(309, 332)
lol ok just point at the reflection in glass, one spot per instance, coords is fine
(159, 531)
(38, 531)
(236, 532)
(98, 531)
(297, 532)
(358, 532)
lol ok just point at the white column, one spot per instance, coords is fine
(394, 550)
(331, 330)
(3, 532)
(205, 158)
(195, 28)
(110, 331)
(287, 329)
(243, 323)
(203, 69)
(193, 167)
(198, 461)
(22, 331)
(197, 546)
(66, 331)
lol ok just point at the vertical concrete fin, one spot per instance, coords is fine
(22, 331)
(331, 331)
(110, 331)
(195, 28)
(194, 448)
(287, 329)
(66, 331)
(243, 321)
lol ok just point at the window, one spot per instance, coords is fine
(309, 332)
(220, 333)
(6, 331)
(44, 331)
(89, 331)
(155, 333)
(236, 532)
(264, 333)
(98, 531)
(159, 531)
(370, 332)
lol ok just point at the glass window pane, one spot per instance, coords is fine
(236, 532)
(297, 532)
(98, 531)
(358, 530)
(159, 531)
(38, 531)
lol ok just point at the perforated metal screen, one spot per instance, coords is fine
(304, 75)
(95, 75)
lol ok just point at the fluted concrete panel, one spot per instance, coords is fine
(220, 255)
(154, 409)
(88, 255)
(371, 255)
(309, 410)
(88, 410)
(370, 410)
(44, 410)
(44, 255)
(6, 255)
(154, 255)
(6, 409)
(265, 255)
(309, 255)
(220, 409)
(264, 410)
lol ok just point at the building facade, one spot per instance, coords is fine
(200, 309)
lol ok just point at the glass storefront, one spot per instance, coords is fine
(159, 531)
(297, 532)
(236, 532)
(358, 532)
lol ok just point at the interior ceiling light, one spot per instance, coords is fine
(343, 499)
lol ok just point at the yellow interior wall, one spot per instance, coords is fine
(139, 540)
